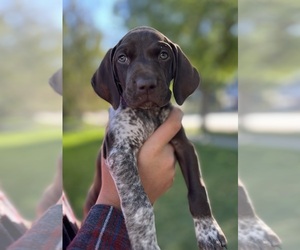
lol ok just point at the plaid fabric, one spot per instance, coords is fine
(103, 229)
(44, 234)
(12, 225)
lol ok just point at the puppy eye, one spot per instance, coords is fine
(163, 55)
(122, 59)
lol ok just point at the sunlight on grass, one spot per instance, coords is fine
(78, 137)
(29, 137)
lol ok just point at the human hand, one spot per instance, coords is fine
(156, 164)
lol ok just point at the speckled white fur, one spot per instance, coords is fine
(254, 234)
(208, 233)
(128, 129)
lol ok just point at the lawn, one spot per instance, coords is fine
(271, 175)
(27, 166)
(173, 221)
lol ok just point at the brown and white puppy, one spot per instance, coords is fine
(134, 77)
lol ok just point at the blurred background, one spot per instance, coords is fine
(267, 84)
(30, 110)
(207, 33)
(269, 112)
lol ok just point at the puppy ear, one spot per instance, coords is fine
(103, 81)
(186, 77)
(55, 81)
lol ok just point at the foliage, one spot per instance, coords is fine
(268, 39)
(81, 54)
(31, 52)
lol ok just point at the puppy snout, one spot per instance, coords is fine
(145, 85)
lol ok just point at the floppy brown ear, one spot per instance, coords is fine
(103, 81)
(186, 77)
(55, 81)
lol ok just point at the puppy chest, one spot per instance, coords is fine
(134, 126)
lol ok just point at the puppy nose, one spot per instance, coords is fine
(145, 85)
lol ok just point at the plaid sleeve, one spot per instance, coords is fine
(103, 228)
(44, 234)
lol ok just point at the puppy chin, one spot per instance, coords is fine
(143, 105)
(147, 104)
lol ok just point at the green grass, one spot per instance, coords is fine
(23, 138)
(79, 155)
(271, 176)
(174, 223)
(27, 166)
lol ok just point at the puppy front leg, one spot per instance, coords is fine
(136, 207)
(208, 233)
(253, 233)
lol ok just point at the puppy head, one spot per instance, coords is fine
(139, 70)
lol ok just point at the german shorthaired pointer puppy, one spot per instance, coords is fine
(253, 233)
(134, 77)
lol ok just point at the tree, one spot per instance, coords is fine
(31, 52)
(80, 50)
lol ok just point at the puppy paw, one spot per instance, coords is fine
(253, 234)
(209, 234)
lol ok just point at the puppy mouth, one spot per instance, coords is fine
(144, 105)
(149, 105)
(146, 102)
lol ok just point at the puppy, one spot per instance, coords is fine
(134, 77)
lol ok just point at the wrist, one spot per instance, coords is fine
(106, 198)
